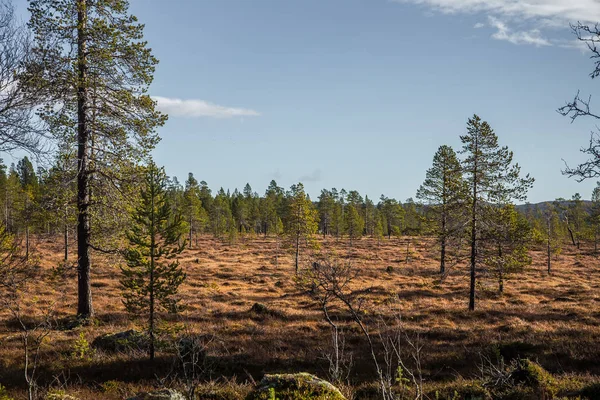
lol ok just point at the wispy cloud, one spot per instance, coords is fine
(193, 108)
(520, 21)
(503, 32)
(314, 176)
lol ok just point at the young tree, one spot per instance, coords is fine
(551, 222)
(196, 215)
(444, 192)
(92, 69)
(493, 180)
(594, 216)
(152, 276)
(302, 221)
(508, 240)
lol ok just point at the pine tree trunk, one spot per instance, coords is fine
(27, 242)
(191, 230)
(473, 233)
(297, 250)
(151, 283)
(473, 256)
(549, 249)
(66, 239)
(84, 292)
(500, 271)
(443, 247)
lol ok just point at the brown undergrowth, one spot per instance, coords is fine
(552, 319)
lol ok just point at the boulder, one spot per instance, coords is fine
(121, 341)
(163, 394)
(301, 386)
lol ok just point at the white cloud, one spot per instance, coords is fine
(199, 108)
(503, 32)
(479, 25)
(521, 21)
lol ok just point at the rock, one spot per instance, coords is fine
(301, 386)
(163, 394)
(121, 341)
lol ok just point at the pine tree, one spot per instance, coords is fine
(302, 221)
(89, 57)
(393, 215)
(444, 192)
(152, 276)
(492, 179)
(354, 223)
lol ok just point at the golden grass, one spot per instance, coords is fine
(554, 319)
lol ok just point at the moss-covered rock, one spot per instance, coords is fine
(532, 382)
(301, 386)
(121, 341)
(163, 394)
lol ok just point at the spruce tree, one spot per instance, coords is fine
(151, 278)
(493, 180)
(444, 192)
(91, 69)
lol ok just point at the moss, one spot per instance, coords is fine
(461, 390)
(529, 374)
(222, 392)
(301, 386)
(4, 394)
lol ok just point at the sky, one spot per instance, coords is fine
(359, 94)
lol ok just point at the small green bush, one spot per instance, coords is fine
(4, 394)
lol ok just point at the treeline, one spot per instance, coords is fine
(41, 201)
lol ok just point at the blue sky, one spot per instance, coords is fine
(359, 94)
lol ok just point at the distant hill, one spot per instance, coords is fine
(543, 206)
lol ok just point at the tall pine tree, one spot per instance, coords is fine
(91, 69)
(493, 180)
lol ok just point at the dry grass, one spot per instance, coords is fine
(554, 319)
